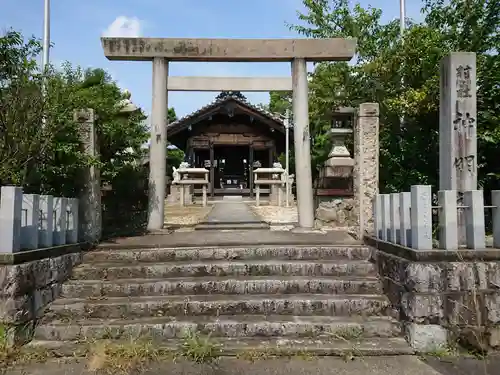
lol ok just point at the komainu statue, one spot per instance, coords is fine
(175, 175)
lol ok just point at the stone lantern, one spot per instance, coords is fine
(127, 106)
(334, 187)
(338, 169)
(340, 163)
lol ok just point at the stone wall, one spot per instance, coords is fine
(443, 296)
(26, 288)
(336, 213)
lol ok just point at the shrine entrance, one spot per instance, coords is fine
(230, 137)
(231, 168)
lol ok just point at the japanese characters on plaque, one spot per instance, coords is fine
(464, 126)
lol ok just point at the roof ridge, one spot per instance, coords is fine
(218, 101)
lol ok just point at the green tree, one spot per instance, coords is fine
(175, 156)
(120, 135)
(172, 116)
(24, 139)
(280, 101)
(47, 157)
(401, 75)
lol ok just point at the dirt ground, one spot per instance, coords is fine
(465, 365)
(176, 215)
(275, 214)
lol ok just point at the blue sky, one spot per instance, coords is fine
(76, 27)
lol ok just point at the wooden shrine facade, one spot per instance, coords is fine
(230, 137)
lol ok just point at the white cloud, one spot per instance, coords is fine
(124, 26)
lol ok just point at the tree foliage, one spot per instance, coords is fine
(46, 156)
(23, 139)
(401, 73)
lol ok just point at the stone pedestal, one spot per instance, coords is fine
(175, 194)
(90, 210)
(275, 195)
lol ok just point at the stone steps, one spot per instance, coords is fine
(272, 346)
(164, 328)
(114, 271)
(221, 285)
(352, 252)
(231, 226)
(325, 300)
(217, 305)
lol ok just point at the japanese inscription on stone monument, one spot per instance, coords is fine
(458, 123)
(457, 129)
(464, 126)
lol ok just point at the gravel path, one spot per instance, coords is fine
(276, 215)
(176, 215)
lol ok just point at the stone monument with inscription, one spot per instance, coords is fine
(458, 128)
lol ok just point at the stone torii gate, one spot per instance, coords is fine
(163, 50)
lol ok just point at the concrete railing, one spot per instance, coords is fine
(406, 218)
(33, 221)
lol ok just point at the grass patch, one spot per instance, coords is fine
(441, 352)
(12, 354)
(199, 348)
(263, 354)
(347, 333)
(107, 357)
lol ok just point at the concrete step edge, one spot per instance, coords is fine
(104, 248)
(220, 329)
(236, 319)
(214, 298)
(223, 262)
(244, 279)
(278, 346)
(325, 241)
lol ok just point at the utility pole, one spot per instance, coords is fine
(46, 35)
(402, 16)
(46, 49)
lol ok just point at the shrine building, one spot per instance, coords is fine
(230, 137)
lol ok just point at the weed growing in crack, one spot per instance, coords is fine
(198, 348)
(13, 355)
(107, 357)
(443, 352)
(254, 355)
(262, 354)
(347, 333)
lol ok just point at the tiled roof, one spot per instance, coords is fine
(228, 98)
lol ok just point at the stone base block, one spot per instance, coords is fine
(337, 213)
(426, 337)
(175, 195)
(277, 196)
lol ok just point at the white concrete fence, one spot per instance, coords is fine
(406, 218)
(33, 221)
